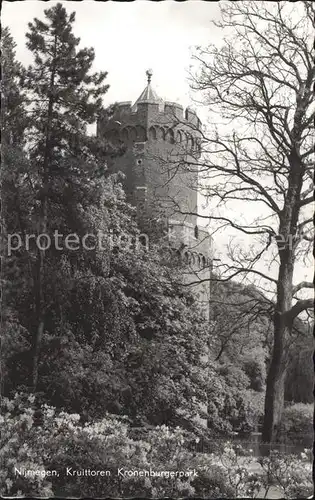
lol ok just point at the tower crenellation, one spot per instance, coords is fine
(150, 114)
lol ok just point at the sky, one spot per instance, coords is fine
(128, 39)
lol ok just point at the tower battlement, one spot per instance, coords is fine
(195, 242)
(151, 120)
(174, 110)
(151, 112)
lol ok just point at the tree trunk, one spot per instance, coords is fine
(274, 399)
(40, 307)
(38, 339)
(40, 298)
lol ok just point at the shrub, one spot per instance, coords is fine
(233, 409)
(19, 450)
(253, 404)
(57, 440)
(292, 474)
(255, 368)
(297, 423)
(234, 376)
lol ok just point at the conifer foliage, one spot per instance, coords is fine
(64, 97)
(12, 100)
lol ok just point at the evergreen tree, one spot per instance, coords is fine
(12, 99)
(64, 97)
(11, 112)
(13, 119)
(15, 194)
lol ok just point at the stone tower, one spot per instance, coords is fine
(162, 146)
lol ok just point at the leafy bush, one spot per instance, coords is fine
(300, 376)
(255, 368)
(58, 440)
(137, 352)
(19, 450)
(291, 474)
(253, 404)
(233, 407)
(234, 376)
(297, 423)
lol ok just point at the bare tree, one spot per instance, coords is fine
(258, 152)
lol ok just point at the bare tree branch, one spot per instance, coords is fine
(303, 284)
(299, 307)
(259, 85)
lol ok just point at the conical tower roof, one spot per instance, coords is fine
(148, 94)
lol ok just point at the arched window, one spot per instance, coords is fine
(178, 136)
(143, 239)
(196, 232)
(186, 257)
(170, 136)
(160, 134)
(152, 133)
(192, 260)
(132, 135)
(140, 134)
(177, 255)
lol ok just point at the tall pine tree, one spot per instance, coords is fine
(13, 119)
(64, 98)
(12, 99)
(15, 194)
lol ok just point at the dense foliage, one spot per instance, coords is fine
(99, 342)
(300, 381)
(98, 330)
(297, 423)
(50, 440)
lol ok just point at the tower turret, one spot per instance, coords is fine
(162, 145)
(162, 148)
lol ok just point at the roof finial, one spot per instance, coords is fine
(149, 74)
